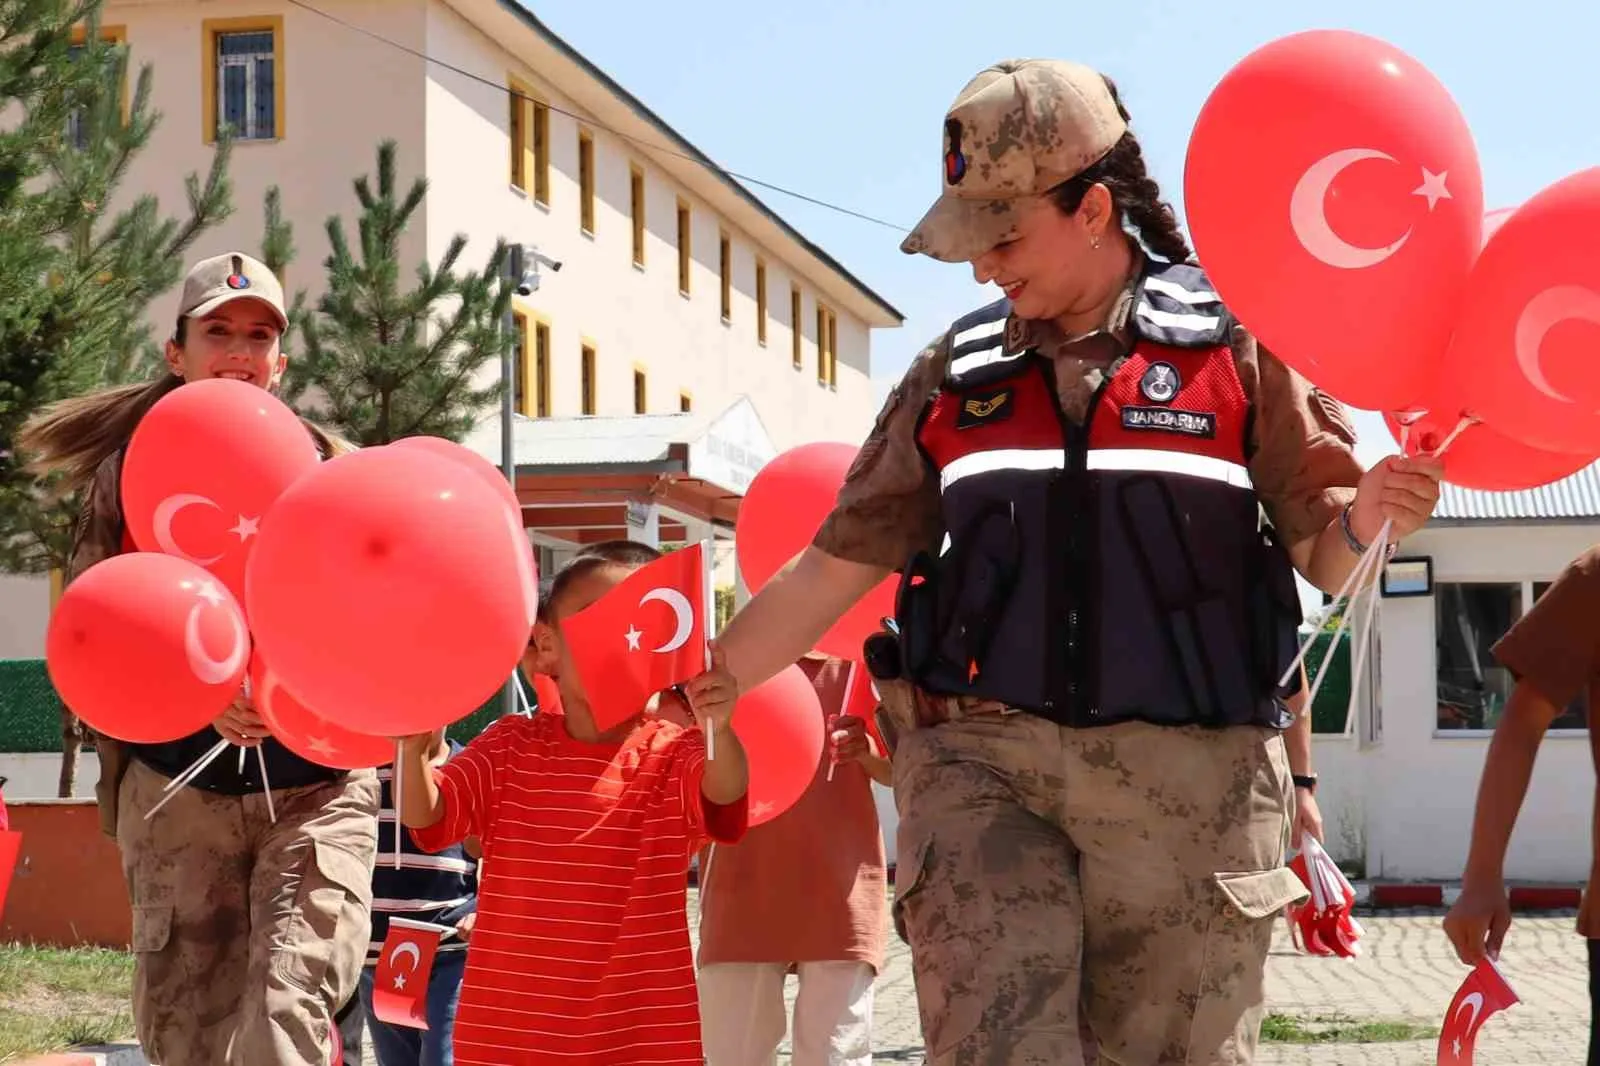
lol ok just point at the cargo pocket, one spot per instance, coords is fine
(329, 925)
(152, 928)
(951, 996)
(1228, 1010)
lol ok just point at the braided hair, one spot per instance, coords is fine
(1137, 196)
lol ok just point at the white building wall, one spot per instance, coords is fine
(1421, 783)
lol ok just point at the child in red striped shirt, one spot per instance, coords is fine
(581, 951)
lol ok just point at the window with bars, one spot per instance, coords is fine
(520, 376)
(247, 84)
(77, 131)
(541, 370)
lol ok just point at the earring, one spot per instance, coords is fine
(1094, 242)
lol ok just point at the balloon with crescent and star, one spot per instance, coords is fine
(1523, 355)
(1335, 200)
(147, 647)
(202, 468)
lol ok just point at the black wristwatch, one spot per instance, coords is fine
(1305, 781)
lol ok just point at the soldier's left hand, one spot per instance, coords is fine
(1402, 490)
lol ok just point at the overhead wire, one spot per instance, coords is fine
(586, 120)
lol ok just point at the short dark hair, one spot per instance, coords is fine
(629, 553)
(623, 552)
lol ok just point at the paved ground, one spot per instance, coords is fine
(1406, 973)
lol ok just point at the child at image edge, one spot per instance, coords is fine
(1553, 651)
(581, 952)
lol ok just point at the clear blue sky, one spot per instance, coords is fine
(843, 100)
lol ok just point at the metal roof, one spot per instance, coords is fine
(1575, 497)
(520, 9)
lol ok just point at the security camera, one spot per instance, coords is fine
(529, 283)
(540, 259)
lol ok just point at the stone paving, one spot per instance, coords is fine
(1407, 972)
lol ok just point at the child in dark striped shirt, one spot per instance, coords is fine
(438, 887)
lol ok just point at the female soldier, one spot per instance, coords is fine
(248, 933)
(1086, 486)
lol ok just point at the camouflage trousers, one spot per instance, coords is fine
(1066, 891)
(248, 935)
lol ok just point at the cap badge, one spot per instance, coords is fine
(237, 280)
(955, 164)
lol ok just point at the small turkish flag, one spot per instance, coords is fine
(646, 634)
(400, 983)
(1484, 992)
(861, 701)
(10, 848)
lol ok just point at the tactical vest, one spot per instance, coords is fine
(1122, 569)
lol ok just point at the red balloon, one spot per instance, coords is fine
(780, 515)
(779, 725)
(1334, 195)
(1480, 457)
(147, 647)
(1524, 347)
(392, 590)
(1494, 220)
(491, 474)
(203, 466)
(308, 734)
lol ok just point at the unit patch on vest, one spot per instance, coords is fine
(984, 410)
(1202, 424)
(1160, 383)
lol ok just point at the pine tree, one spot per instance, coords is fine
(76, 276)
(378, 362)
(45, 84)
(104, 269)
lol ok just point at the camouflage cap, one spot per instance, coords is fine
(223, 278)
(1018, 129)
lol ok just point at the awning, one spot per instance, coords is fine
(580, 477)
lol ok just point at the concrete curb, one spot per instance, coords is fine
(1523, 898)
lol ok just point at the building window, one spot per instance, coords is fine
(541, 369)
(586, 182)
(541, 152)
(640, 396)
(521, 374)
(1576, 714)
(685, 402)
(517, 136)
(1468, 619)
(685, 250)
(244, 68)
(827, 357)
(761, 302)
(725, 269)
(636, 209)
(77, 122)
(795, 336)
(587, 360)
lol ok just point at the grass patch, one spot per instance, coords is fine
(57, 998)
(1340, 1029)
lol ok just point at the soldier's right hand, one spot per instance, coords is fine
(240, 724)
(1477, 924)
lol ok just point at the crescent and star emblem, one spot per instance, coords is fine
(1558, 303)
(207, 670)
(1475, 1001)
(1308, 210)
(681, 608)
(405, 948)
(166, 513)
